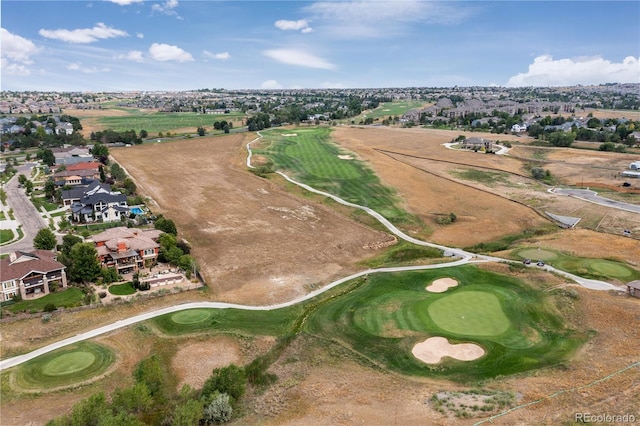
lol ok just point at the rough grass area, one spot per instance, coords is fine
(472, 403)
(312, 158)
(122, 289)
(403, 253)
(64, 367)
(483, 176)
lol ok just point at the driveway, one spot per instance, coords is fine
(24, 212)
(593, 197)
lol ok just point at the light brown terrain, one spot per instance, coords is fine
(259, 241)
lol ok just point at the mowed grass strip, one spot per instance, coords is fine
(311, 157)
(65, 367)
(384, 318)
(124, 289)
(269, 323)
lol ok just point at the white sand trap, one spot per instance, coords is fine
(345, 157)
(289, 134)
(434, 349)
(441, 285)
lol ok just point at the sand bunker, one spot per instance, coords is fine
(441, 285)
(345, 157)
(434, 349)
(289, 134)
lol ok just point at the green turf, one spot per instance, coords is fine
(155, 122)
(312, 158)
(6, 235)
(122, 289)
(383, 319)
(471, 313)
(537, 254)
(585, 267)
(71, 365)
(391, 109)
(70, 297)
(192, 316)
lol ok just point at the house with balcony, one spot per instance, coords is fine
(30, 274)
(127, 249)
(99, 204)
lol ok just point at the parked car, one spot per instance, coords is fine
(626, 184)
(540, 263)
(527, 261)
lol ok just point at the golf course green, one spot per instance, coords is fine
(69, 366)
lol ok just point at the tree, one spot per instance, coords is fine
(48, 158)
(50, 189)
(219, 410)
(150, 372)
(130, 186)
(188, 413)
(84, 263)
(100, 150)
(28, 187)
(118, 172)
(135, 399)
(44, 240)
(166, 225)
(22, 179)
(230, 380)
(201, 131)
(144, 134)
(226, 128)
(87, 411)
(68, 241)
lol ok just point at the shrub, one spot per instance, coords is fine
(49, 307)
(219, 410)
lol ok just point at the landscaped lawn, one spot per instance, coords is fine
(68, 298)
(6, 235)
(122, 289)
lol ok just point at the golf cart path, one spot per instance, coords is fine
(593, 197)
(465, 257)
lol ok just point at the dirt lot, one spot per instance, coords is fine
(224, 211)
(249, 235)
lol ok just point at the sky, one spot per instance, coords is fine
(131, 45)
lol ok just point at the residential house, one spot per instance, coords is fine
(478, 144)
(72, 155)
(127, 249)
(99, 204)
(64, 127)
(30, 274)
(519, 128)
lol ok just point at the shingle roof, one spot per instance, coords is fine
(25, 262)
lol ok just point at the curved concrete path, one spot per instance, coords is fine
(593, 197)
(465, 258)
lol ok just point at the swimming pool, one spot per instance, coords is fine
(136, 210)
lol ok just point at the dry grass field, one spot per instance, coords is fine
(261, 241)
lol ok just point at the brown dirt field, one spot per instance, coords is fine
(481, 215)
(248, 234)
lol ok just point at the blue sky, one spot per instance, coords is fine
(121, 45)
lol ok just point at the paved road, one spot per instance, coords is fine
(464, 257)
(24, 211)
(593, 197)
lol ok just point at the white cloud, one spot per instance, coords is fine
(166, 52)
(139, 35)
(271, 84)
(16, 48)
(365, 18)
(9, 68)
(132, 55)
(166, 7)
(222, 56)
(301, 25)
(86, 70)
(83, 35)
(125, 2)
(545, 71)
(299, 58)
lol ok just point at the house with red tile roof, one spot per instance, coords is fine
(30, 274)
(127, 249)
